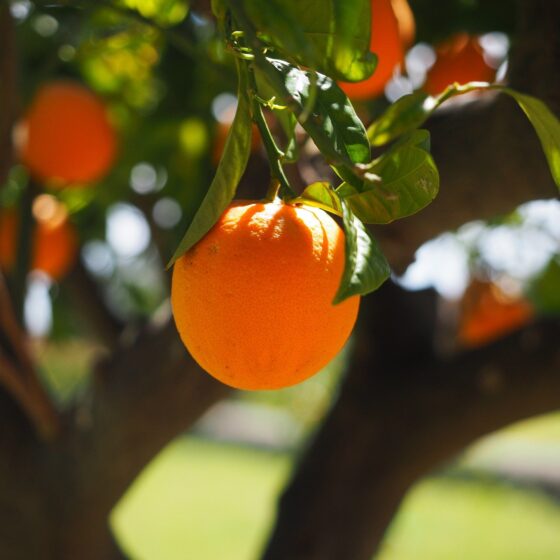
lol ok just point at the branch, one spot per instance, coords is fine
(19, 375)
(141, 399)
(87, 295)
(400, 415)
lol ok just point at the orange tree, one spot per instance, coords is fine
(402, 408)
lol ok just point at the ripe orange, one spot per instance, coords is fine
(66, 136)
(54, 244)
(459, 59)
(253, 299)
(488, 314)
(392, 29)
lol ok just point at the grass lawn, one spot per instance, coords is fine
(206, 501)
(201, 501)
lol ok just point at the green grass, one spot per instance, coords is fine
(445, 519)
(202, 501)
(208, 501)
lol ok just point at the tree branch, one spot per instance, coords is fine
(19, 375)
(400, 415)
(142, 398)
(87, 294)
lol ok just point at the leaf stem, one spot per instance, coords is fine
(274, 153)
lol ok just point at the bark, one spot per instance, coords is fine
(58, 495)
(401, 413)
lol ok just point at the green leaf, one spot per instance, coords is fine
(333, 124)
(411, 111)
(409, 181)
(229, 172)
(218, 8)
(366, 267)
(331, 36)
(288, 123)
(405, 114)
(282, 27)
(321, 195)
(544, 292)
(546, 126)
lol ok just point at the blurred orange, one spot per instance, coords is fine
(405, 19)
(222, 131)
(459, 59)
(65, 135)
(488, 313)
(392, 30)
(54, 243)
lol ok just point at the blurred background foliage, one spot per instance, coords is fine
(162, 70)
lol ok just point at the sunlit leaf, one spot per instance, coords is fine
(331, 36)
(229, 172)
(411, 111)
(546, 126)
(408, 182)
(321, 195)
(333, 124)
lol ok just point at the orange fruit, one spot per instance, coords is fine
(459, 59)
(222, 131)
(66, 136)
(54, 243)
(252, 300)
(488, 313)
(405, 19)
(389, 37)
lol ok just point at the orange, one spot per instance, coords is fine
(459, 59)
(488, 314)
(54, 243)
(222, 132)
(253, 299)
(66, 136)
(392, 29)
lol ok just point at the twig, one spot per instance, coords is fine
(22, 381)
(273, 152)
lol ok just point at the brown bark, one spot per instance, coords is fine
(401, 413)
(58, 495)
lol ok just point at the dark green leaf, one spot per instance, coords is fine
(321, 195)
(366, 267)
(545, 292)
(229, 172)
(409, 182)
(546, 126)
(288, 123)
(333, 124)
